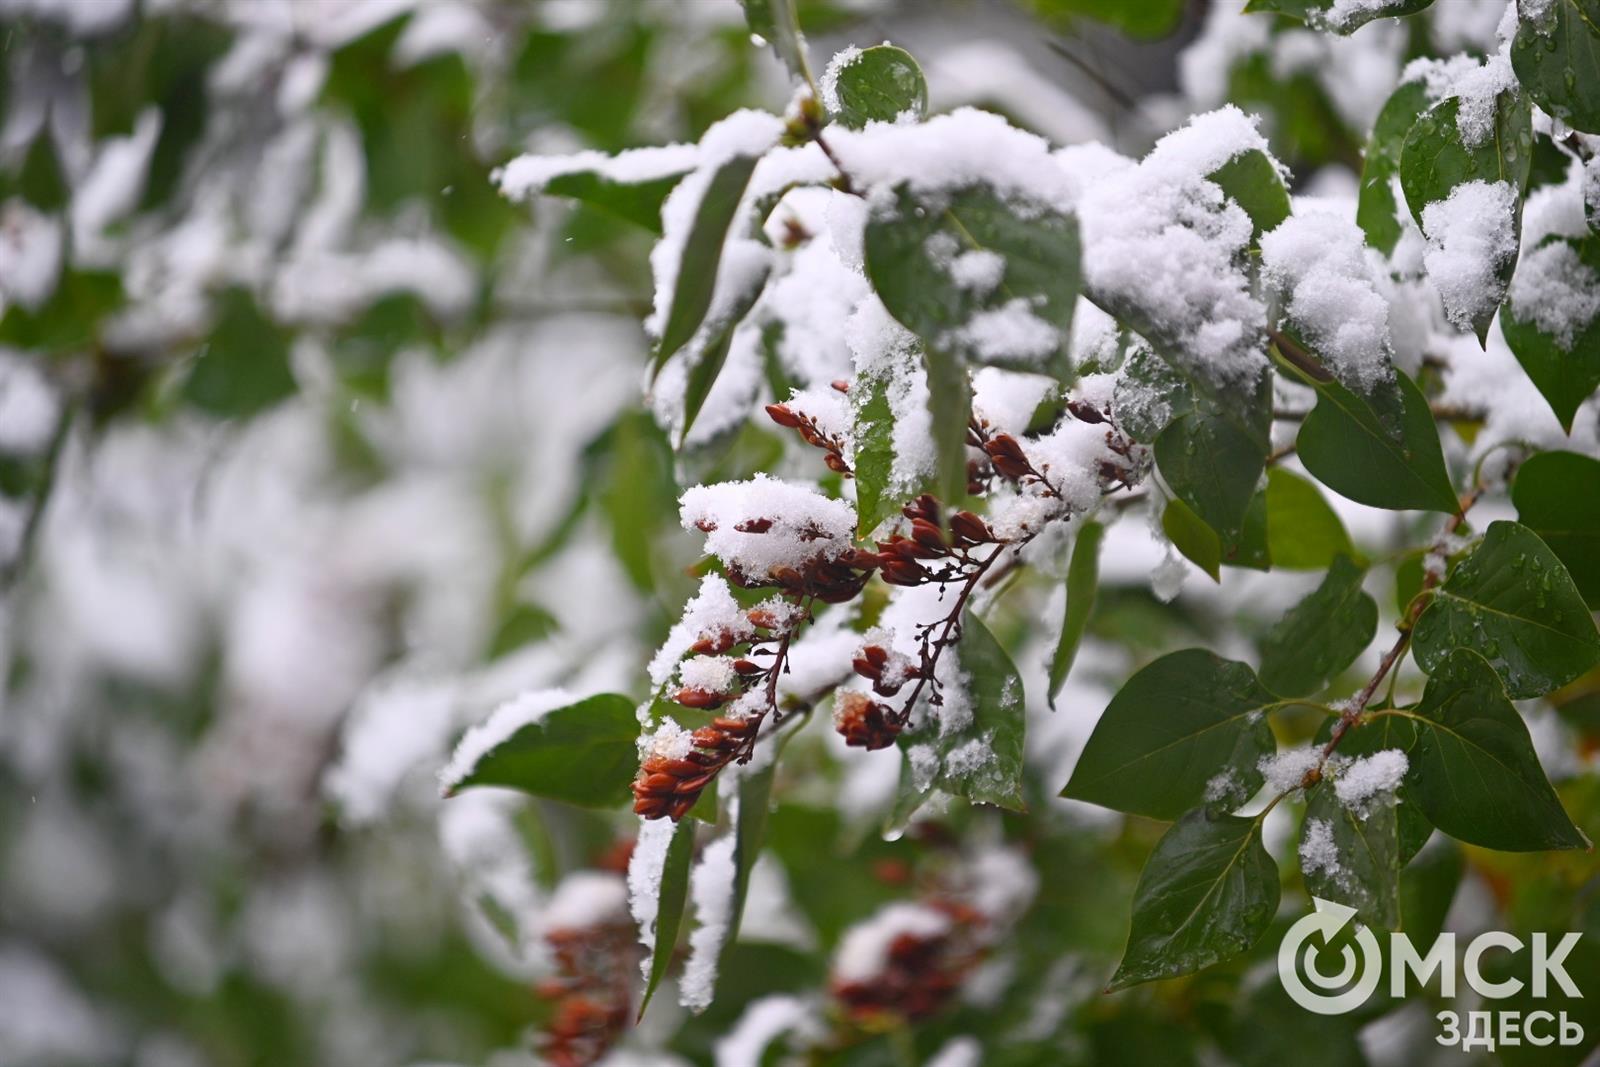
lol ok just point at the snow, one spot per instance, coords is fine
(527, 175)
(587, 899)
(396, 725)
(29, 406)
(507, 719)
(31, 245)
(763, 1022)
(1318, 259)
(1006, 400)
(1008, 332)
(864, 950)
(1470, 236)
(645, 868)
(975, 270)
(883, 349)
(829, 86)
(714, 674)
(1343, 14)
(1370, 777)
(1287, 769)
(711, 890)
(804, 525)
(1225, 787)
(1318, 851)
(743, 133)
(1476, 85)
(1003, 883)
(712, 610)
(1163, 241)
(1557, 292)
(668, 740)
(957, 1052)
(947, 153)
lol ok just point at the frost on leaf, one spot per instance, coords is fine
(1471, 235)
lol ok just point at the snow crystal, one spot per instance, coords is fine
(1369, 777)
(1168, 576)
(1556, 291)
(1470, 236)
(1096, 337)
(796, 524)
(864, 949)
(743, 133)
(1344, 14)
(1321, 262)
(1476, 85)
(829, 86)
(1287, 769)
(587, 899)
(955, 713)
(883, 349)
(1318, 852)
(714, 674)
(1006, 400)
(924, 766)
(529, 174)
(1009, 332)
(711, 889)
(668, 740)
(976, 270)
(1225, 787)
(506, 720)
(970, 758)
(964, 148)
(645, 868)
(1162, 240)
(713, 610)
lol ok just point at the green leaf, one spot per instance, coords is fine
(244, 367)
(1475, 774)
(911, 249)
(1352, 856)
(583, 753)
(1319, 14)
(877, 84)
(672, 895)
(1150, 393)
(1211, 465)
(1083, 576)
(755, 799)
(702, 253)
(1348, 447)
(1512, 602)
(636, 202)
(777, 23)
(709, 361)
(1207, 893)
(1188, 729)
(1435, 159)
(1321, 635)
(1557, 495)
(1556, 56)
(523, 625)
(1378, 733)
(1137, 18)
(982, 760)
(1303, 531)
(1191, 536)
(40, 181)
(70, 319)
(950, 408)
(1252, 181)
(873, 461)
(1377, 211)
(1566, 375)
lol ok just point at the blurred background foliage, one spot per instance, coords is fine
(313, 448)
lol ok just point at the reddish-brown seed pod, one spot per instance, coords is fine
(928, 535)
(754, 526)
(713, 644)
(736, 727)
(783, 416)
(699, 698)
(835, 462)
(747, 668)
(762, 618)
(840, 385)
(969, 528)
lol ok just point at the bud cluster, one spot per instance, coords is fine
(813, 435)
(922, 969)
(590, 995)
(902, 560)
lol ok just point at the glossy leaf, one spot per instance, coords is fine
(1349, 448)
(1377, 733)
(636, 202)
(1566, 375)
(1352, 855)
(950, 408)
(1557, 495)
(912, 249)
(879, 84)
(1188, 729)
(1377, 210)
(1083, 578)
(778, 23)
(696, 278)
(1321, 635)
(1303, 532)
(873, 461)
(1211, 465)
(1207, 893)
(755, 800)
(1137, 18)
(1190, 535)
(244, 367)
(1474, 771)
(1513, 603)
(584, 753)
(708, 363)
(1251, 181)
(1556, 55)
(672, 895)
(1332, 16)
(1435, 159)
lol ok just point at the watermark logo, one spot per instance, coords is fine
(1297, 953)
(1362, 966)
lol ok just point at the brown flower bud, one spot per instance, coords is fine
(783, 416)
(754, 526)
(840, 385)
(699, 698)
(928, 535)
(969, 529)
